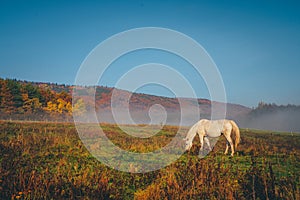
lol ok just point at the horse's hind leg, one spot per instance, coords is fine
(230, 142)
(227, 147)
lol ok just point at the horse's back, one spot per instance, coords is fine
(214, 127)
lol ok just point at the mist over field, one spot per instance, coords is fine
(288, 121)
(279, 119)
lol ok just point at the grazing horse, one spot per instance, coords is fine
(213, 128)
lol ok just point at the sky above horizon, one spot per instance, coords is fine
(255, 44)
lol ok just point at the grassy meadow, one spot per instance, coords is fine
(42, 160)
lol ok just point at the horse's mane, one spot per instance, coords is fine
(192, 132)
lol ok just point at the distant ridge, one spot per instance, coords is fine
(17, 99)
(25, 100)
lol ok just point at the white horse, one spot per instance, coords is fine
(213, 128)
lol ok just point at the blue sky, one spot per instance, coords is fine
(255, 44)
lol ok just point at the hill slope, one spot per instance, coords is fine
(143, 106)
(25, 100)
(48, 101)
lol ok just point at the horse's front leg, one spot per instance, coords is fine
(201, 137)
(208, 144)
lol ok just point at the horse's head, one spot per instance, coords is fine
(188, 144)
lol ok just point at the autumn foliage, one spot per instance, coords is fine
(26, 100)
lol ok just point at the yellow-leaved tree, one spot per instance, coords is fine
(51, 107)
(31, 105)
(79, 108)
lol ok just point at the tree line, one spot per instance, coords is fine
(271, 108)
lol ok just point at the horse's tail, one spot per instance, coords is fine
(236, 131)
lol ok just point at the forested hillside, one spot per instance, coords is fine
(47, 101)
(36, 101)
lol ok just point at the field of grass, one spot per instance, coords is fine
(49, 161)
